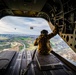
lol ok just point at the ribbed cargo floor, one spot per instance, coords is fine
(5, 58)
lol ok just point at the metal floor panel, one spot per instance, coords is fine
(5, 58)
(23, 59)
(38, 71)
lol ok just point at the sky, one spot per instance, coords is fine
(21, 25)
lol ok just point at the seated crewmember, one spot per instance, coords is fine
(43, 41)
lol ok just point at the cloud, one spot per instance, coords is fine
(22, 25)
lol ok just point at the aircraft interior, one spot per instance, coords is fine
(25, 62)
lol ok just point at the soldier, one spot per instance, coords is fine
(43, 41)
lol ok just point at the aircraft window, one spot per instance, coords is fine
(15, 30)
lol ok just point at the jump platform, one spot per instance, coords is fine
(48, 62)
